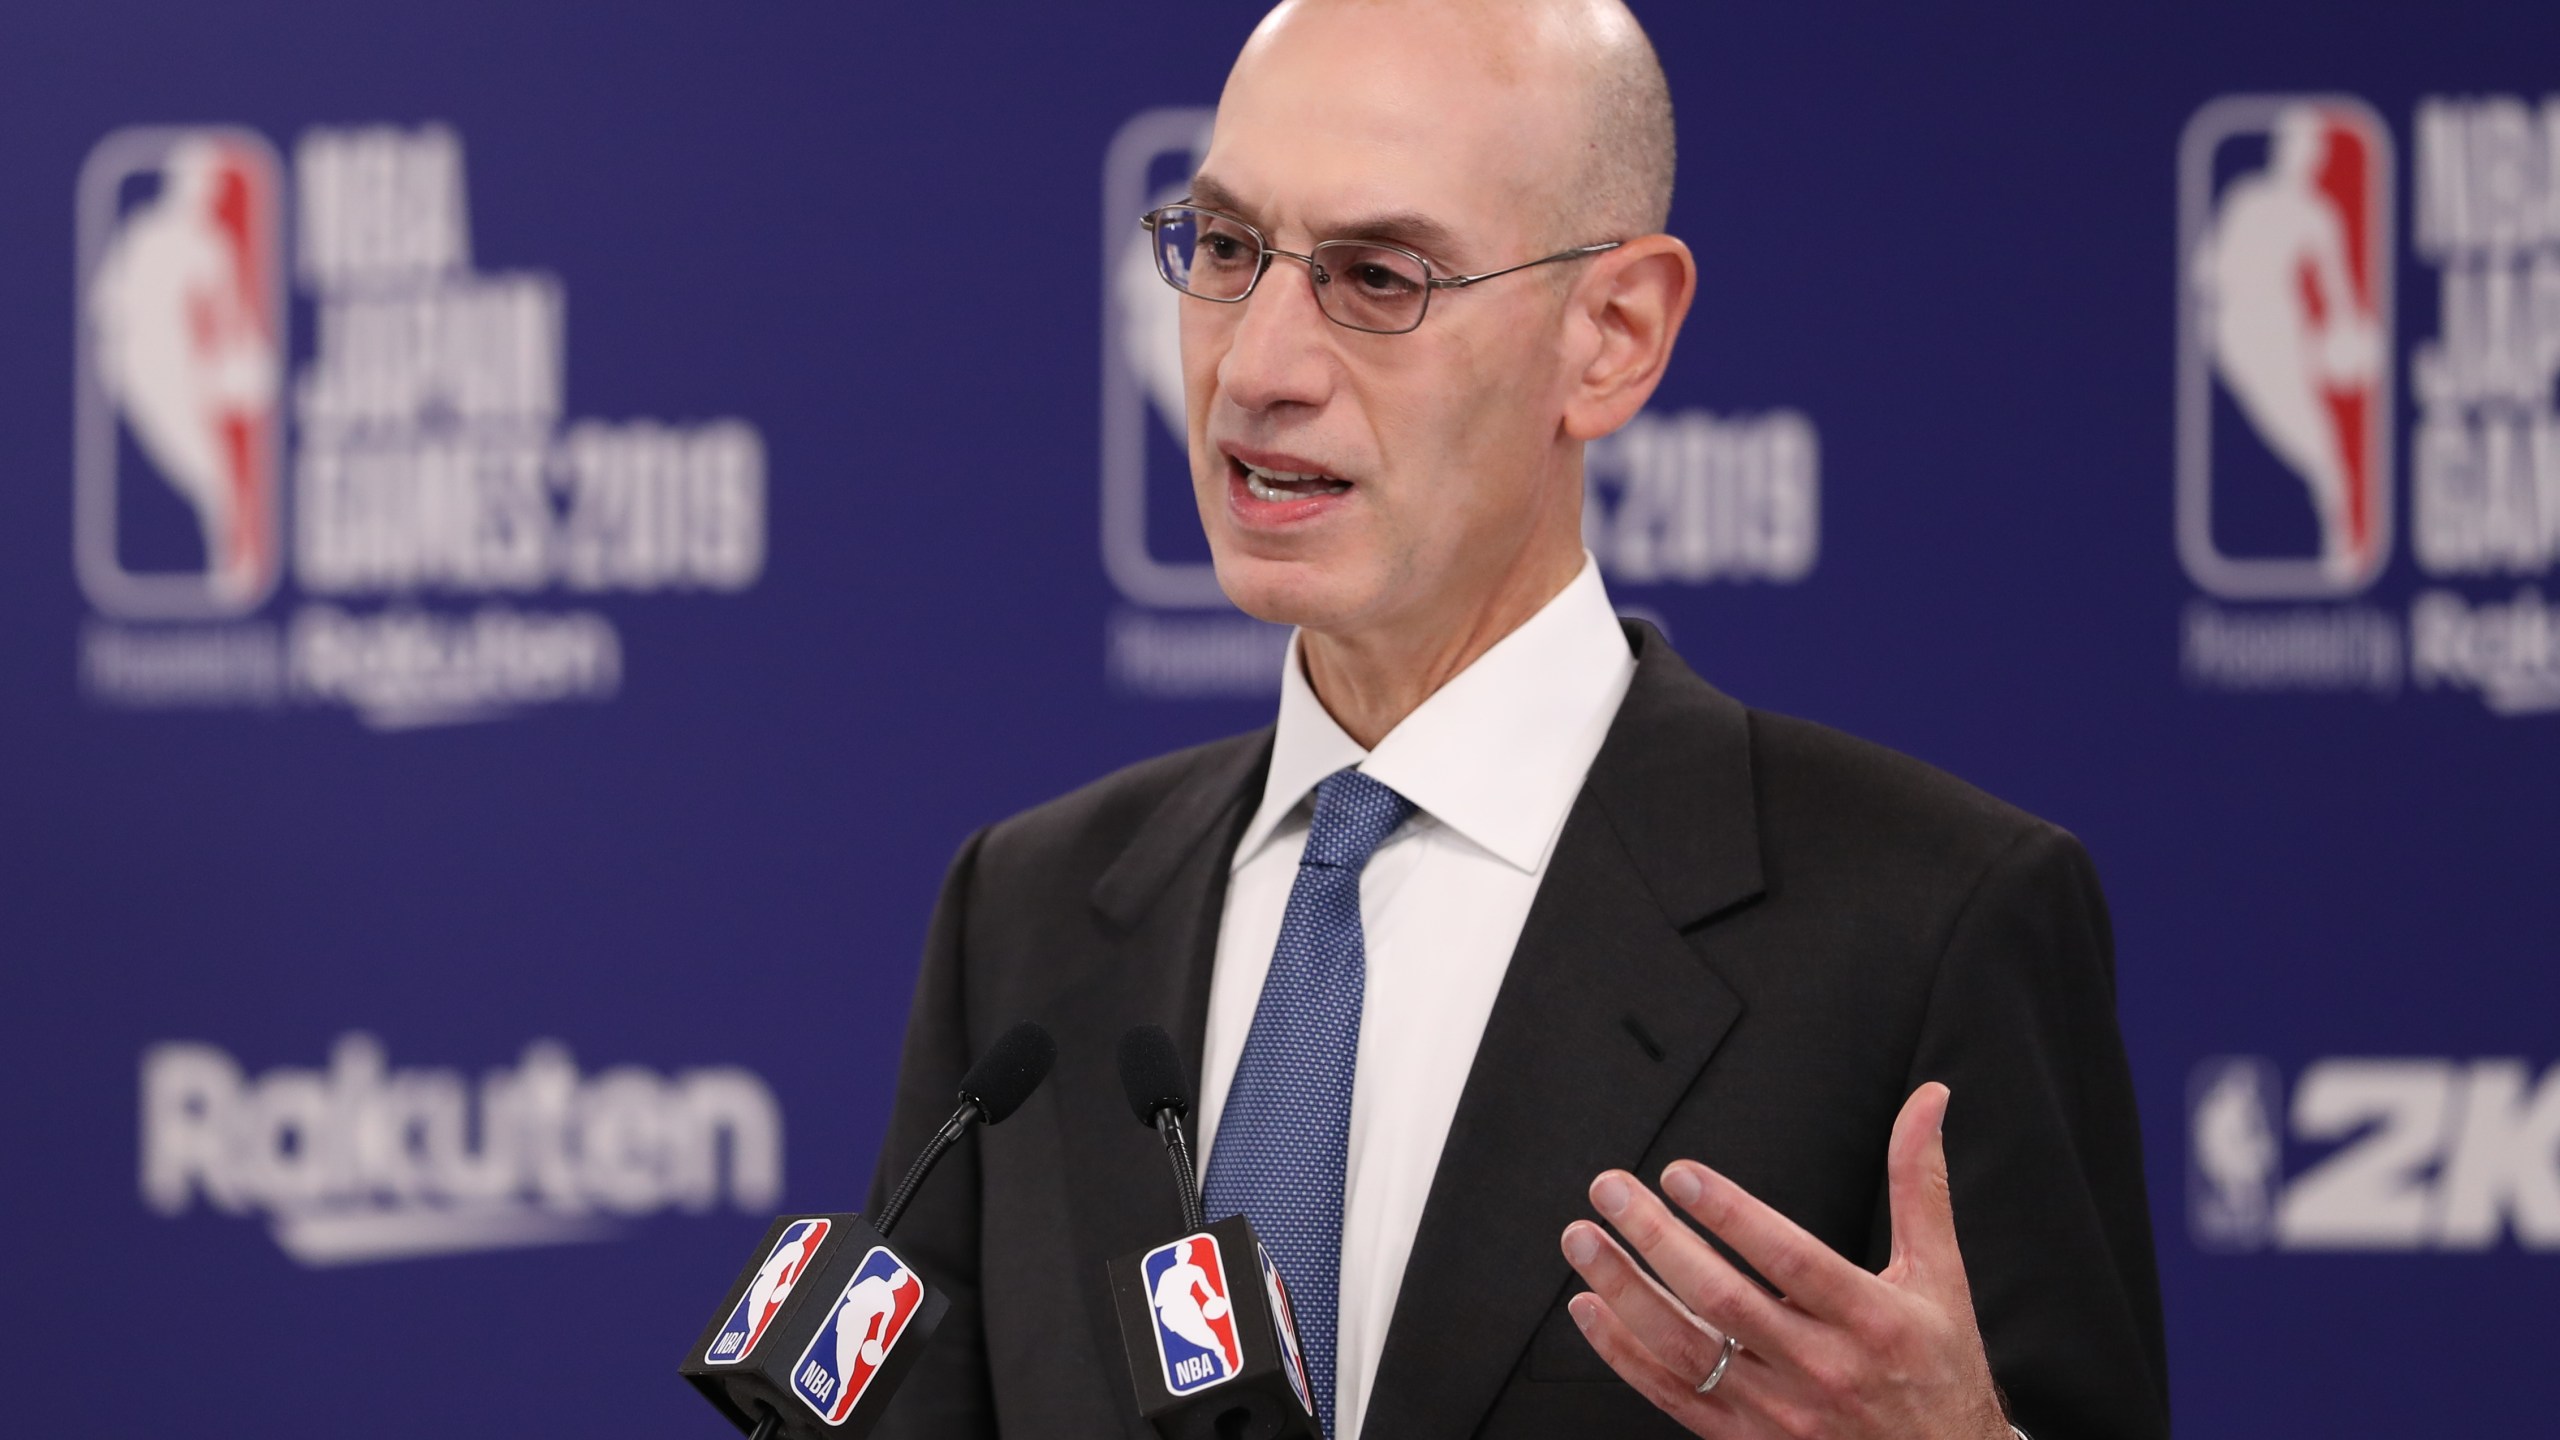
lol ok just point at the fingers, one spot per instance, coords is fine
(1813, 1277)
(1640, 1306)
(1838, 1351)
(1691, 1270)
(1915, 1167)
(1671, 1392)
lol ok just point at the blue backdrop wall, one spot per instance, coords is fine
(529, 534)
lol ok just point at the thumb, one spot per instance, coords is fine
(1916, 1189)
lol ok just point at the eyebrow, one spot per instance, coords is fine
(1409, 228)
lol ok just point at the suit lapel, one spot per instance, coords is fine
(1155, 914)
(1604, 1020)
(1161, 899)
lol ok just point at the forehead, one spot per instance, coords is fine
(1337, 117)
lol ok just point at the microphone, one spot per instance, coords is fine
(1151, 1076)
(815, 1336)
(994, 1088)
(1211, 1358)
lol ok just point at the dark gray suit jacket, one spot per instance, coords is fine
(1755, 938)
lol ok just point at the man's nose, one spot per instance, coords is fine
(1281, 352)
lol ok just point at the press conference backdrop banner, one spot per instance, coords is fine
(532, 533)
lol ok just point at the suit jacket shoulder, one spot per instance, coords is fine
(1807, 769)
(1098, 859)
(1870, 827)
(1081, 833)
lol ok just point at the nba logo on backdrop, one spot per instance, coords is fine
(774, 1280)
(850, 1348)
(2288, 383)
(2285, 339)
(2236, 1155)
(437, 489)
(1195, 1323)
(1146, 477)
(180, 368)
(1173, 634)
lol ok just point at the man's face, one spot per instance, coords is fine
(1434, 458)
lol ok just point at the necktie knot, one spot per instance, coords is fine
(1354, 816)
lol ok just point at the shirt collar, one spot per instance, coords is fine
(1496, 754)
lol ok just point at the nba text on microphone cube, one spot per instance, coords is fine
(820, 1328)
(1212, 1345)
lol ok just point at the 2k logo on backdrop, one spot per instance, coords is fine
(2405, 1153)
(2285, 341)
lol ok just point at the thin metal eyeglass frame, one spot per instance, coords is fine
(1153, 218)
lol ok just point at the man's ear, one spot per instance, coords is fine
(1636, 296)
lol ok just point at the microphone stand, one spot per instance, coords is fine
(969, 1113)
(836, 1256)
(1177, 1150)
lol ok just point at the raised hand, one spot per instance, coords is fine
(1837, 1353)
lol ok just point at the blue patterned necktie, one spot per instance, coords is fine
(1285, 1134)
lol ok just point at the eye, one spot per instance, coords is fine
(1380, 278)
(1223, 244)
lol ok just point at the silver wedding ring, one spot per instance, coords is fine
(1724, 1362)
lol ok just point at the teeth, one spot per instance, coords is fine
(1279, 485)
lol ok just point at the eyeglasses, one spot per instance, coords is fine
(1359, 284)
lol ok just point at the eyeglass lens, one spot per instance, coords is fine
(1364, 286)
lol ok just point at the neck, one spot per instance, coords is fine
(1370, 680)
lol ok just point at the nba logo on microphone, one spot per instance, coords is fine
(179, 373)
(857, 1337)
(1195, 1322)
(1285, 1320)
(775, 1278)
(2285, 342)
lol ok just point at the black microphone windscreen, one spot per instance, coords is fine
(1151, 1074)
(1011, 1069)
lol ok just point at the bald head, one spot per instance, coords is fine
(1406, 497)
(1593, 150)
(1633, 148)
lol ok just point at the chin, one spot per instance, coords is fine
(1287, 592)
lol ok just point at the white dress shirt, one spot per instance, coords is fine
(1491, 761)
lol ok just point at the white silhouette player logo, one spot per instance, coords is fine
(182, 342)
(2234, 1153)
(772, 1285)
(862, 1322)
(2288, 308)
(848, 1350)
(773, 1282)
(1186, 1302)
(1284, 1322)
(1195, 1321)
(1143, 420)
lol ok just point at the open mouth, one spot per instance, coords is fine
(1279, 486)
